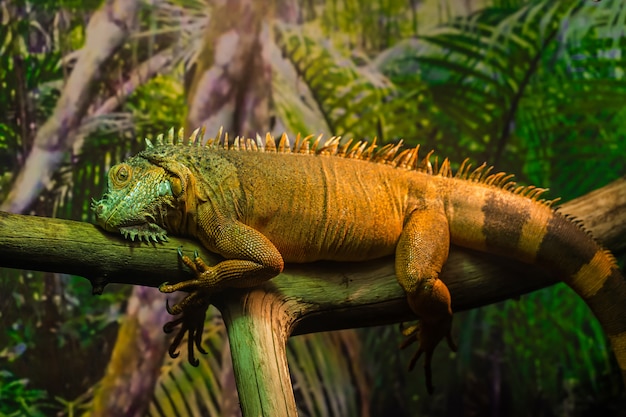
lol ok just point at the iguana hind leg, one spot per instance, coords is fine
(421, 252)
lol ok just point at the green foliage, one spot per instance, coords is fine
(371, 25)
(515, 82)
(355, 101)
(158, 104)
(546, 346)
(16, 399)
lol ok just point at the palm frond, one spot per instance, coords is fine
(353, 100)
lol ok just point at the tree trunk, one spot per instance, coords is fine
(231, 79)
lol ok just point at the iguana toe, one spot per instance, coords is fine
(192, 322)
(427, 335)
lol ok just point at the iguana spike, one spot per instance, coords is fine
(224, 142)
(509, 186)
(353, 149)
(369, 151)
(534, 194)
(297, 143)
(270, 144)
(477, 174)
(218, 137)
(415, 159)
(505, 180)
(343, 149)
(494, 179)
(465, 165)
(357, 150)
(303, 144)
(180, 138)
(487, 172)
(382, 152)
(283, 145)
(316, 143)
(235, 145)
(401, 161)
(519, 189)
(194, 135)
(425, 165)
(197, 136)
(148, 143)
(170, 136)
(361, 149)
(159, 139)
(200, 136)
(391, 154)
(552, 202)
(445, 170)
(330, 147)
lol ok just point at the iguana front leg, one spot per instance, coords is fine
(420, 254)
(250, 259)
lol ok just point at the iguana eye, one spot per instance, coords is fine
(120, 175)
(177, 186)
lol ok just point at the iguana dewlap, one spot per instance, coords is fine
(261, 207)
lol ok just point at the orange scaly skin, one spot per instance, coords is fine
(260, 208)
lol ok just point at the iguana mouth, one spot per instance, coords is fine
(141, 229)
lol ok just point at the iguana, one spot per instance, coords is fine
(261, 205)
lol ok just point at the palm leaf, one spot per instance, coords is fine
(354, 101)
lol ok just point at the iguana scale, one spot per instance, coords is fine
(260, 206)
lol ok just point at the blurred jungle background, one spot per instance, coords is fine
(536, 88)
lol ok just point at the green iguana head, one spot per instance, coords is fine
(142, 200)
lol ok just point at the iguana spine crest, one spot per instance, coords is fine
(407, 159)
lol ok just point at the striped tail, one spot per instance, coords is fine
(512, 224)
(592, 272)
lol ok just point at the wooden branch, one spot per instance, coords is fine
(305, 298)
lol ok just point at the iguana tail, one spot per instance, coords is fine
(516, 224)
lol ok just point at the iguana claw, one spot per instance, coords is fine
(192, 321)
(193, 308)
(427, 340)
